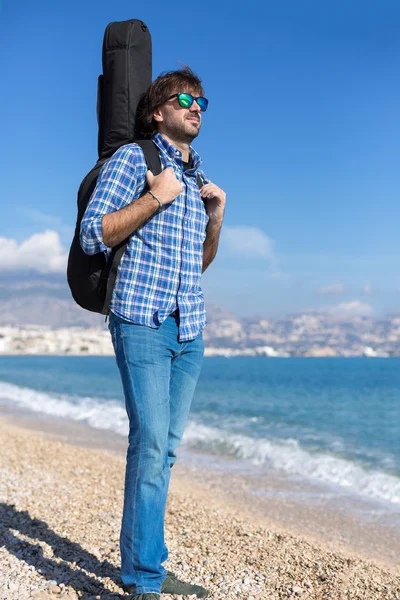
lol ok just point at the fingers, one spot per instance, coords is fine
(208, 187)
(208, 190)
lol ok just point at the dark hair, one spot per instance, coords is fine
(165, 85)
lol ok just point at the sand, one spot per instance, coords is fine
(60, 511)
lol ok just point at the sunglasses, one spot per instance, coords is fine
(186, 101)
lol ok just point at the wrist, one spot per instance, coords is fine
(155, 197)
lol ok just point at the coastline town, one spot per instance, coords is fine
(307, 335)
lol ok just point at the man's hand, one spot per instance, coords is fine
(215, 200)
(117, 226)
(165, 185)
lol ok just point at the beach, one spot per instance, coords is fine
(61, 502)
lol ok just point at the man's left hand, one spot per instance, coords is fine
(214, 201)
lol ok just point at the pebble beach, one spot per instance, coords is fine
(60, 512)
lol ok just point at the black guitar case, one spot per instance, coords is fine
(127, 74)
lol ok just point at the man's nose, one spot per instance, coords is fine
(195, 107)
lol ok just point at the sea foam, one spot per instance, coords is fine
(96, 412)
(288, 456)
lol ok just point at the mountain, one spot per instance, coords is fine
(34, 299)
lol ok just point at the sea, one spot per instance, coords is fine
(331, 422)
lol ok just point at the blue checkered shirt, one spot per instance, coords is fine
(161, 268)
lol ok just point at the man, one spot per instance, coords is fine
(157, 310)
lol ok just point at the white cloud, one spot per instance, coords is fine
(41, 252)
(355, 308)
(246, 241)
(334, 289)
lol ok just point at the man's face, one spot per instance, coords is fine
(178, 123)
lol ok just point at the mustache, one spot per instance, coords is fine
(193, 117)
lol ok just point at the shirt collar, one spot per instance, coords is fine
(174, 153)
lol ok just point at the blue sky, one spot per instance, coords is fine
(302, 131)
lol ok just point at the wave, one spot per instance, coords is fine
(96, 412)
(288, 456)
(284, 455)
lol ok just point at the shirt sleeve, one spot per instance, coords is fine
(116, 186)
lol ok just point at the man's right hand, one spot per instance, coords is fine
(120, 224)
(165, 185)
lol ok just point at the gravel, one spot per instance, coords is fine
(60, 512)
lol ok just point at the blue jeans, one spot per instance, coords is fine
(159, 376)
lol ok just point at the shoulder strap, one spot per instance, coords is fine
(199, 181)
(152, 158)
(112, 266)
(151, 155)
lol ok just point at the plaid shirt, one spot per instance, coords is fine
(162, 264)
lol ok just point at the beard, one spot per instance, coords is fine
(184, 132)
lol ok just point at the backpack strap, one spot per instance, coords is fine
(199, 180)
(112, 268)
(151, 155)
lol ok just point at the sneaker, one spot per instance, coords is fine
(173, 585)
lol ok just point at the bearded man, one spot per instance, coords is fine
(157, 311)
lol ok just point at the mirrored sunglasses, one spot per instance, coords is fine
(186, 101)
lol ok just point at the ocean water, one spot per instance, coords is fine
(333, 422)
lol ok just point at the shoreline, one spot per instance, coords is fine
(334, 535)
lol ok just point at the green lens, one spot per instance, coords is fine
(185, 100)
(203, 103)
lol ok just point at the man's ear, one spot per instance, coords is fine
(157, 116)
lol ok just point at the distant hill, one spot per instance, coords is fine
(34, 299)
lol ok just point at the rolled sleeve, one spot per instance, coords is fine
(91, 237)
(116, 188)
